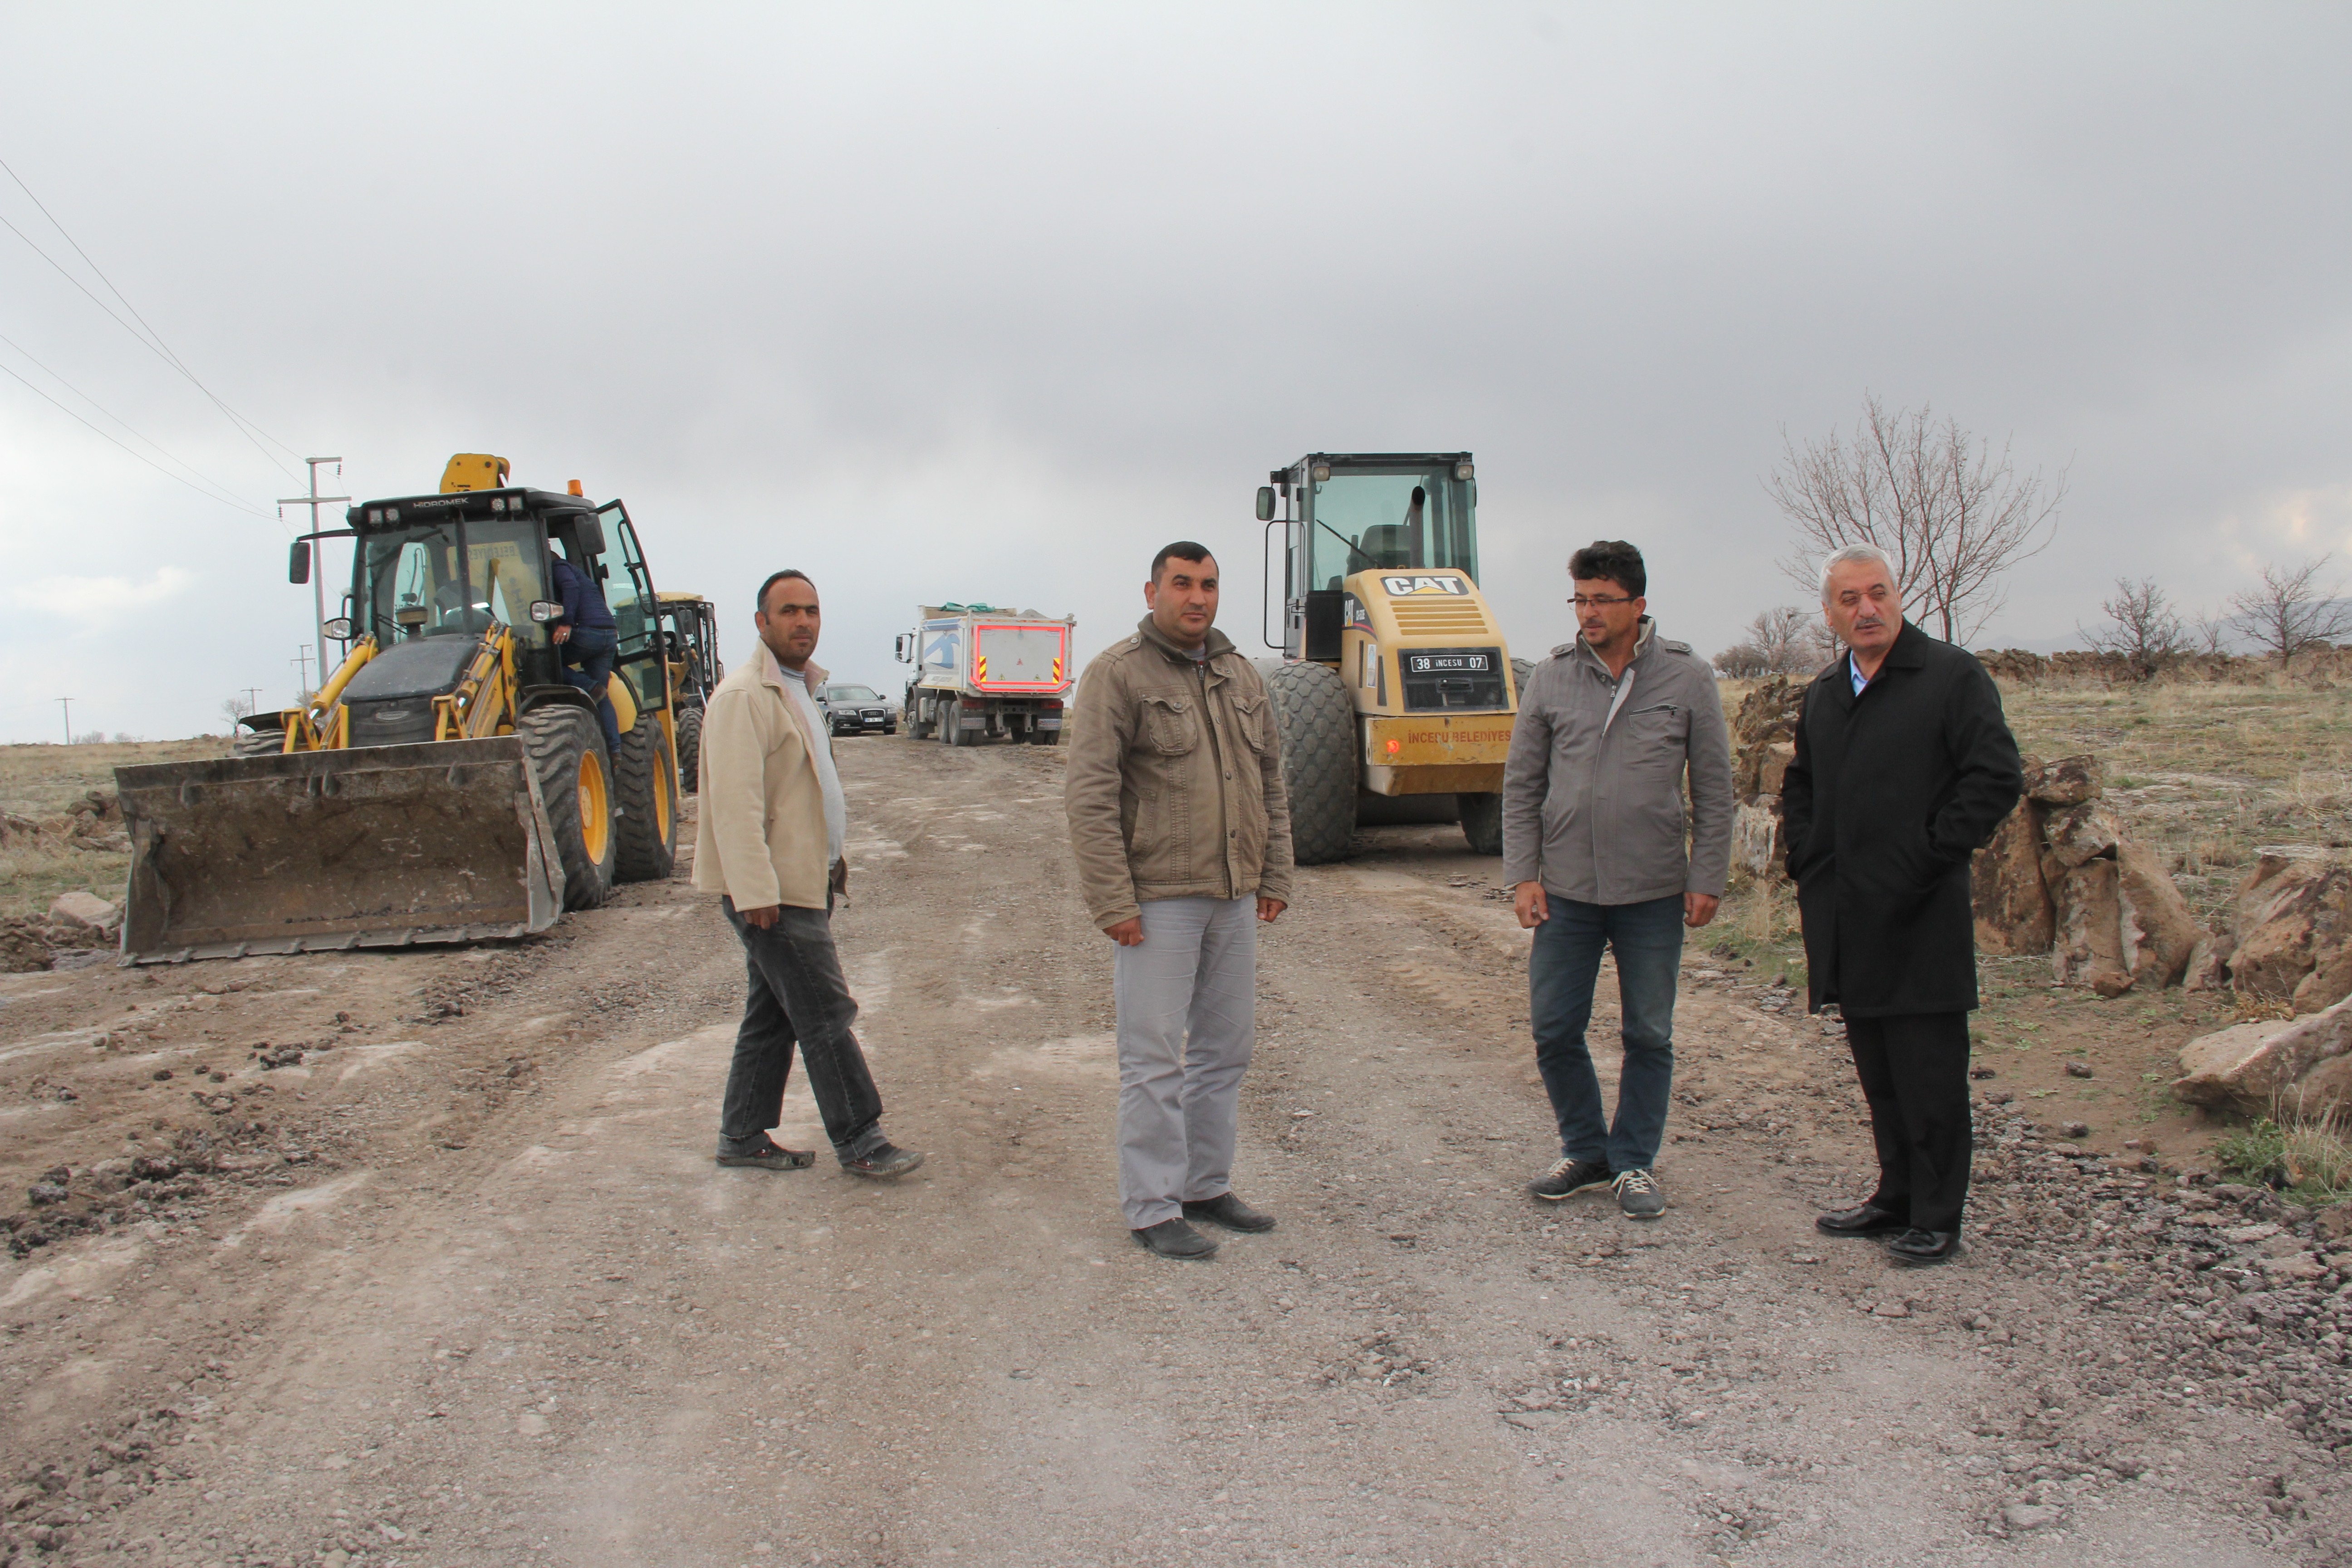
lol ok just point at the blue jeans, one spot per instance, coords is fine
(587, 657)
(1647, 939)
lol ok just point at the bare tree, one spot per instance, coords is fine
(234, 709)
(2144, 630)
(2290, 611)
(1791, 639)
(1953, 515)
(1742, 661)
(2211, 633)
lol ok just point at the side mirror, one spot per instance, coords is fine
(298, 565)
(1266, 503)
(589, 532)
(545, 610)
(898, 648)
(340, 629)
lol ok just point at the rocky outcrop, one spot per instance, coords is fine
(1763, 744)
(2287, 935)
(2291, 1069)
(2060, 877)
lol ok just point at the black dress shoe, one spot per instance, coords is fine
(1175, 1239)
(1229, 1210)
(1867, 1219)
(1924, 1246)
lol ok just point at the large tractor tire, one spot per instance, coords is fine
(1520, 670)
(1317, 718)
(689, 751)
(1482, 822)
(648, 776)
(566, 746)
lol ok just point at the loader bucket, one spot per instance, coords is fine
(323, 851)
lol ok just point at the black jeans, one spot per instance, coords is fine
(1914, 1073)
(798, 998)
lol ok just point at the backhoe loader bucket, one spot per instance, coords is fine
(323, 851)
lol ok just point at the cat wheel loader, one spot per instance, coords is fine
(689, 634)
(1396, 691)
(446, 783)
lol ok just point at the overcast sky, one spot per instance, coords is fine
(988, 302)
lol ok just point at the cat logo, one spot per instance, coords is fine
(1404, 588)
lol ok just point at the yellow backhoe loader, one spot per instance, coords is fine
(689, 633)
(1396, 693)
(446, 783)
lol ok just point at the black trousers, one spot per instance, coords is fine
(796, 996)
(1914, 1073)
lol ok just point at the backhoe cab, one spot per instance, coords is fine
(1397, 692)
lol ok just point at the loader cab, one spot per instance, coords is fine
(688, 633)
(1408, 513)
(432, 574)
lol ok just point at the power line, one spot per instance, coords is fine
(153, 339)
(142, 457)
(227, 493)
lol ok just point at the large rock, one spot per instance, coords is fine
(2160, 934)
(2256, 1067)
(2088, 946)
(1767, 719)
(1772, 766)
(84, 909)
(2069, 780)
(2292, 915)
(1756, 837)
(2322, 1094)
(2086, 831)
(2013, 912)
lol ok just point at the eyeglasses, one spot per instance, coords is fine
(1591, 601)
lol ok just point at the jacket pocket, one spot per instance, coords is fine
(1168, 723)
(1256, 725)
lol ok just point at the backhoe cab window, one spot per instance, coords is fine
(416, 588)
(1381, 523)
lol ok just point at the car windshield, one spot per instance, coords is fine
(852, 694)
(1361, 522)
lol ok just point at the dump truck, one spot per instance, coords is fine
(446, 783)
(982, 672)
(1396, 691)
(689, 634)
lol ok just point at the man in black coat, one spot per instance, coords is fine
(1904, 766)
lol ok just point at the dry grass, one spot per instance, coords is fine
(40, 782)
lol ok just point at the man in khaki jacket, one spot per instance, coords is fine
(768, 841)
(1182, 833)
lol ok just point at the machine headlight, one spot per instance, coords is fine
(1320, 472)
(1466, 471)
(543, 610)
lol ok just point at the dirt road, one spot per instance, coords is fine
(461, 1286)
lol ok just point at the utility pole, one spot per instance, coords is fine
(253, 699)
(302, 658)
(67, 704)
(314, 500)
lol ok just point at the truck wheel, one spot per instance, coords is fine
(566, 747)
(1520, 670)
(1040, 736)
(952, 721)
(1482, 822)
(689, 751)
(917, 723)
(648, 776)
(1317, 718)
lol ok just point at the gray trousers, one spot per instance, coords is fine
(1187, 1019)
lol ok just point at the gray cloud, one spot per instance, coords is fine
(952, 302)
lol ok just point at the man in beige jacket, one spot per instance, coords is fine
(768, 841)
(1182, 833)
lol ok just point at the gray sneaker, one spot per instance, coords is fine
(1569, 1177)
(1639, 1196)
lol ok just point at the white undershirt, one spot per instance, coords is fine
(836, 811)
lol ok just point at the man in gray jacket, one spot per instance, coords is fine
(1610, 728)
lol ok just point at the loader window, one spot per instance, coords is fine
(502, 559)
(1392, 521)
(412, 583)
